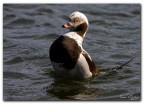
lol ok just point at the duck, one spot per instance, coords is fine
(68, 57)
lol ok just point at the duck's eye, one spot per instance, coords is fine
(76, 20)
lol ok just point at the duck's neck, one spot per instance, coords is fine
(81, 29)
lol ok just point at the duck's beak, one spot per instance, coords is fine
(67, 25)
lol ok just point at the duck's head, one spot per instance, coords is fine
(78, 23)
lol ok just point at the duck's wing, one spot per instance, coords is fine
(93, 68)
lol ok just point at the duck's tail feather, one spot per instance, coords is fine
(120, 67)
(116, 68)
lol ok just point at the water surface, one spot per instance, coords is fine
(113, 38)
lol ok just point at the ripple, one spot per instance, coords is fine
(15, 60)
(9, 17)
(126, 43)
(103, 42)
(14, 75)
(98, 22)
(8, 44)
(112, 95)
(136, 12)
(65, 17)
(120, 56)
(36, 37)
(112, 14)
(45, 10)
(22, 21)
(48, 24)
(134, 82)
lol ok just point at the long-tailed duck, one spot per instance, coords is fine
(67, 55)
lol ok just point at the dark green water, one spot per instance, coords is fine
(114, 37)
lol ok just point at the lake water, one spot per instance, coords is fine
(113, 38)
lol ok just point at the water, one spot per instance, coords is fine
(114, 37)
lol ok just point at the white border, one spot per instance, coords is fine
(63, 1)
(71, 1)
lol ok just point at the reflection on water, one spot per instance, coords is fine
(113, 38)
(72, 90)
